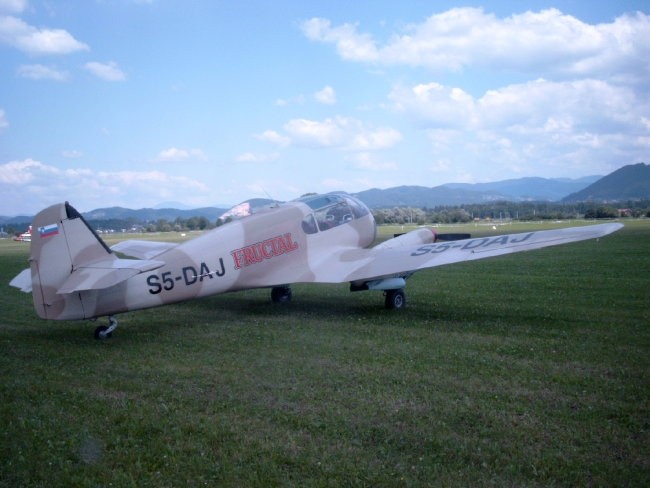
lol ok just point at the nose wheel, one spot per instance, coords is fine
(106, 331)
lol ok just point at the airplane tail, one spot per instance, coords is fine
(70, 265)
(61, 243)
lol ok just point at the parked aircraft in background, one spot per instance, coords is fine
(25, 236)
(73, 274)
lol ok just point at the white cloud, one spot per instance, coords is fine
(340, 132)
(547, 41)
(3, 120)
(380, 138)
(283, 102)
(28, 186)
(583, 104)
(106, 71)
(15, 32)
(40, 72)
(368, 162)
(327, 133)
(522, 128)
(350, 44)
(72, 154)
(274, 138)
(326, 96)
(250, 157)
(13, 6)
(174, 154)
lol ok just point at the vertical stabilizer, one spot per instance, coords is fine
(61, 241)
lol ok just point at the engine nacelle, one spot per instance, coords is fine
(417, 237)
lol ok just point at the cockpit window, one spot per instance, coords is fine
(309, 224)
(331, 211)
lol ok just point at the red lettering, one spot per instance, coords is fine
(249, 256)
(267, 249)
(291, 245)
(238, 257)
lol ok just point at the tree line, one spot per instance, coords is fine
(443, 214)
(510, 211)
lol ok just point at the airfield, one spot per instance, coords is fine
(526, 370)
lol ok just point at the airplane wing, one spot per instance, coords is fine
(359, 265)
(142, 249)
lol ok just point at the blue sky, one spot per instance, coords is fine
(135, 103)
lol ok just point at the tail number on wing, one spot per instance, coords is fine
(472, 244)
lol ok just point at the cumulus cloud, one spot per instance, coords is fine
(72, 154)
(174, 154)
(565, 124)
(250, 157)
(31, 40)
(531, 42)
(41, 72)
(28, 186)
(274, 138)
(13, 6)
(3, 120)
(340, 132)
(106, 71)
(582, 104)
(326, 96)
(349, 43)
(369, 162)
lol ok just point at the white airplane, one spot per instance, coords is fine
(73, 274)
(25, 236)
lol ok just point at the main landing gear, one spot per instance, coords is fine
(281, 294)
(106, 331)
(395, 299)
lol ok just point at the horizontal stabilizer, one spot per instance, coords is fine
(142, 249)
(105, 273)
(23, 281)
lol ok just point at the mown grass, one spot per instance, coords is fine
(526, 370)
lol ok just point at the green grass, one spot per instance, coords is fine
(526, 370)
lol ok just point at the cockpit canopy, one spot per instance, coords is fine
(330, 211)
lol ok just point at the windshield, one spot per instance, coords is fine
(330, 211)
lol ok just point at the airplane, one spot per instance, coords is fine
(25, 236)
(325, 238)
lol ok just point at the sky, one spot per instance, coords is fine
(137, 103)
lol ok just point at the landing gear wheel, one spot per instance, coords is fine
(106, 332)
(395, 299)
(100, 332)
(281, 294)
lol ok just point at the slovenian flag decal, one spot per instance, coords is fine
(48, 230)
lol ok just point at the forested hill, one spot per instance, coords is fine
(630, 182)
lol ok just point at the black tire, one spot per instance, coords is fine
(281, 294)
(395, 299)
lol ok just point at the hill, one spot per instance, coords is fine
(631, 182)
(531, 188)
(515, 190)
(151, 214)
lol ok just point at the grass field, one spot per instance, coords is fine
(526, 370)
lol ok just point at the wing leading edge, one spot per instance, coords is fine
(358, 265)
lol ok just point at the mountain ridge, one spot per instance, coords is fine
(631, 182)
